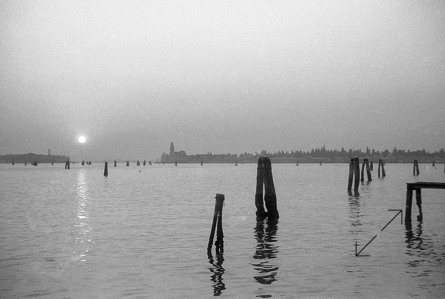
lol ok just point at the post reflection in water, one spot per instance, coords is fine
(81, 226)
(421, 248)
(265, 233)
(354, 214)
(217, 271)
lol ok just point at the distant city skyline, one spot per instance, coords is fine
(220, 76)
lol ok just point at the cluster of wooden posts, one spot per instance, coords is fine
(264, 177)
(266, 207)
(26, 163)
(354, 172)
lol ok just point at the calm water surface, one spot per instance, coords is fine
(142, 232)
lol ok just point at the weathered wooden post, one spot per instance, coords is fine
(434, 163)
(351, 174)
(357, 175)
(260, 212)
(138, 163)
(354, 172)
(419, 203)
(371, 167)
(83, 162)
(115, 163)
(409, 201)
(145, 163)
(106, 169)
(67, 164)
(128, 163)
(264, 176)
(415, 168)
(217, 223)
(381, 164)
(201, 163)
(149, 162)
(176, 163)
(368, 171)
(383, 169)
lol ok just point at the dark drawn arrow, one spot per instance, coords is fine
(401, 221)
(357, 254)
(401, 218)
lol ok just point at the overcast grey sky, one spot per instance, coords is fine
(220, 76)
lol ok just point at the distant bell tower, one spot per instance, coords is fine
(172, 150)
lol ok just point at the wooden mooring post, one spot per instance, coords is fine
(354, 173)
(83, 162)
(264, 177)
(145, 163)
(138, 163)
(368, 171)
(415, 168)
(381, 164)
(434, 163)
(217, 223)
(106, 169)
(409, 197)
(67, 164)
(115, 163)
(128, 163)
(371, 166)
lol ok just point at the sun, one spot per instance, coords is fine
(82, 139)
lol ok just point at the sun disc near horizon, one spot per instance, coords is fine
(82, 139)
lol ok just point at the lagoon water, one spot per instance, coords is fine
(142, 232)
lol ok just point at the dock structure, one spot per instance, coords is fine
(409, 197)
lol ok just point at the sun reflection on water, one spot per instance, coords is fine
(82, 226)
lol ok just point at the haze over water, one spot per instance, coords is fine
(220, 76)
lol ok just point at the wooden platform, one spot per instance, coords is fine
(409, 197)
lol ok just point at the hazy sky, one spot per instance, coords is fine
(220, 76)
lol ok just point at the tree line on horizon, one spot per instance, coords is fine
(322, 152)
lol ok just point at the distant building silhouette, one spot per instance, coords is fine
(182, 156)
